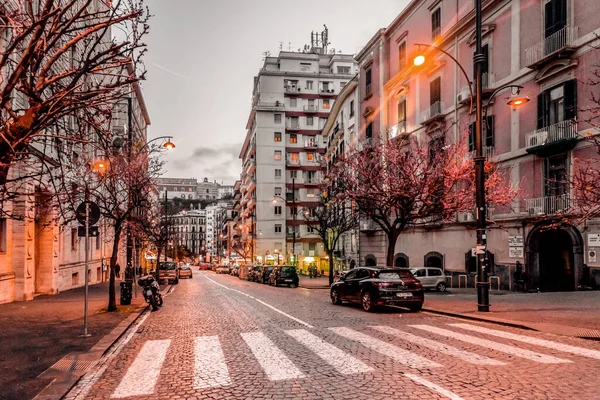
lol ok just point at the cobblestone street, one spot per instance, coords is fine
(218, 337)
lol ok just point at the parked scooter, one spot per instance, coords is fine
(151, 291)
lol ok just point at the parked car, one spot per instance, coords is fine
(253, 273)
(431, 278)
(168, 270)
(377, 286)
(235, 270)
(222, 269)
(284, 275)
(204, 267)
(185, 272)
(264, 273)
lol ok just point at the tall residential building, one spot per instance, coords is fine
(281, 155)
(190, 230)
(550, 48)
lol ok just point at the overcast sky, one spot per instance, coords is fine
(203, 55)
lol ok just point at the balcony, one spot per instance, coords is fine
(552, 139)
(292, 161)
(549, 205)
(311, 108)
(433, 113)
(292, 90)
(292, 126)
(557, 44)
(488, 152)
(270, 106)
(398, 129)
(311, 144)
(327, 92)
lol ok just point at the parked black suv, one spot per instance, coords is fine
(377, 286)
(284, 275)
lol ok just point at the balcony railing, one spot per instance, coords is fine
(266, 104)
(311, 144)
(291, 161)
(433, 112)
(292, 126)
(554, 43)
(397, 129)
(292, 89)
(488, 152)
(328, 91)
(563, 130)
(311, 108)
(549, 205)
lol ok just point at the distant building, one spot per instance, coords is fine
(225, 191)
(190, 230)
(184, 188)
(206, 190)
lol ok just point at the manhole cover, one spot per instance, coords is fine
(590, 334)
(70, 364)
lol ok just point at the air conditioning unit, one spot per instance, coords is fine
(466, 217)
(463, 96)
(536, 211)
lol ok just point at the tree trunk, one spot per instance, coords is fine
(158, 254)
(112, 301)
(391, 249)
(330, 254)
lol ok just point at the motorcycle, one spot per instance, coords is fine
(151, 291)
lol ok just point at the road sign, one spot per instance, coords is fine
(93, 231)
(94, 213)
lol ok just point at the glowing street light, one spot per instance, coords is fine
(517, 100)
(419, 60)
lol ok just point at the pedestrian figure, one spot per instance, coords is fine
(118, 271)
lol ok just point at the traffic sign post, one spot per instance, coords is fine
(88, 214)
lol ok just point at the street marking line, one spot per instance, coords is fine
(344, 363)
(210, 367)
(85, 384)
(400, 355)
(580, 351)
(263, 303)
(504, 348)
(467, 356)
(434, 387)
(142, 375)
(272, 360)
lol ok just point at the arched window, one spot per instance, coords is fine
(401, 260)
(370, 260)
(433, 259)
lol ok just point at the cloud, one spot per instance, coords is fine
(220, 162)
(229, 150)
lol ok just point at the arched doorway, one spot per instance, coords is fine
(433, 259)
(554, 258)
(370, 260)
(401, 260)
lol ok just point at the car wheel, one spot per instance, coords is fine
(367, 302)
(415, 307)
(441, 287)
(335, 297)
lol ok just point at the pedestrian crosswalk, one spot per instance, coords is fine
(414, 348)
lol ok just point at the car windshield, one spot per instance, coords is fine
(287, 269)
(391, 275)
(168, 266)
(185, 268)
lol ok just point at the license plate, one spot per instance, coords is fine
(288, 280)
(149, 293)
(404, 295)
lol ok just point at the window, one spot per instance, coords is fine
(420, 273)
(343, 70)
(311, 176)
(294, 158)
(295, 122)
(293, 138)
(98, 241)
(309, 85)
(402, 115)
(555, 17)
(277, 118)
(294, 102)
(435, 91)
(310, 156)
(368, 83)
(325, 87)
(310, 229)
(557, 104)
(3, 234)
(277, 137)
(369, 130)
(351, 108)
(309, 121)
(277, 210)
(293, 174)
(325, 103)
(73, 239)
(488, 133)
(207, 191)
(75, 279)
(434, 272)
(304, 67)
(277, 155)
(555, 177)
(277, 173)
(277, 191)
(436, 23)
(342, 84)
(402, 55)
(277, 228)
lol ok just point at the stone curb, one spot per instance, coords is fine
(497, 321)
(64, 381)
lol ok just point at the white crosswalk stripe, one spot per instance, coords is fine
(580, 351)
(399, 355)
(210, 369)
(515, 351)
(272, 360)
(434, 387)
(441, 347)
(142, 375)
(338, 359)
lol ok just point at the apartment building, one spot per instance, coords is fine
(182, 188)
(281, 155)
(190, 230)
(549, 48)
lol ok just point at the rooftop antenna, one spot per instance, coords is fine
(289, 46)
(266, 54)
(280, 46)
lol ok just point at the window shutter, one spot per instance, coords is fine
(489, 131)
(472, 136)
(542, 110)
(486, 52)
(570, 99)
(402, 111)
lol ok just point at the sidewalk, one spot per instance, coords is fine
(38, 333)
(321, 282)
(573, 314)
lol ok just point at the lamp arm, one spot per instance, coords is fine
(487, 105)
(459, 66)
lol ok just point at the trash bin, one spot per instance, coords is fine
(126, 290)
